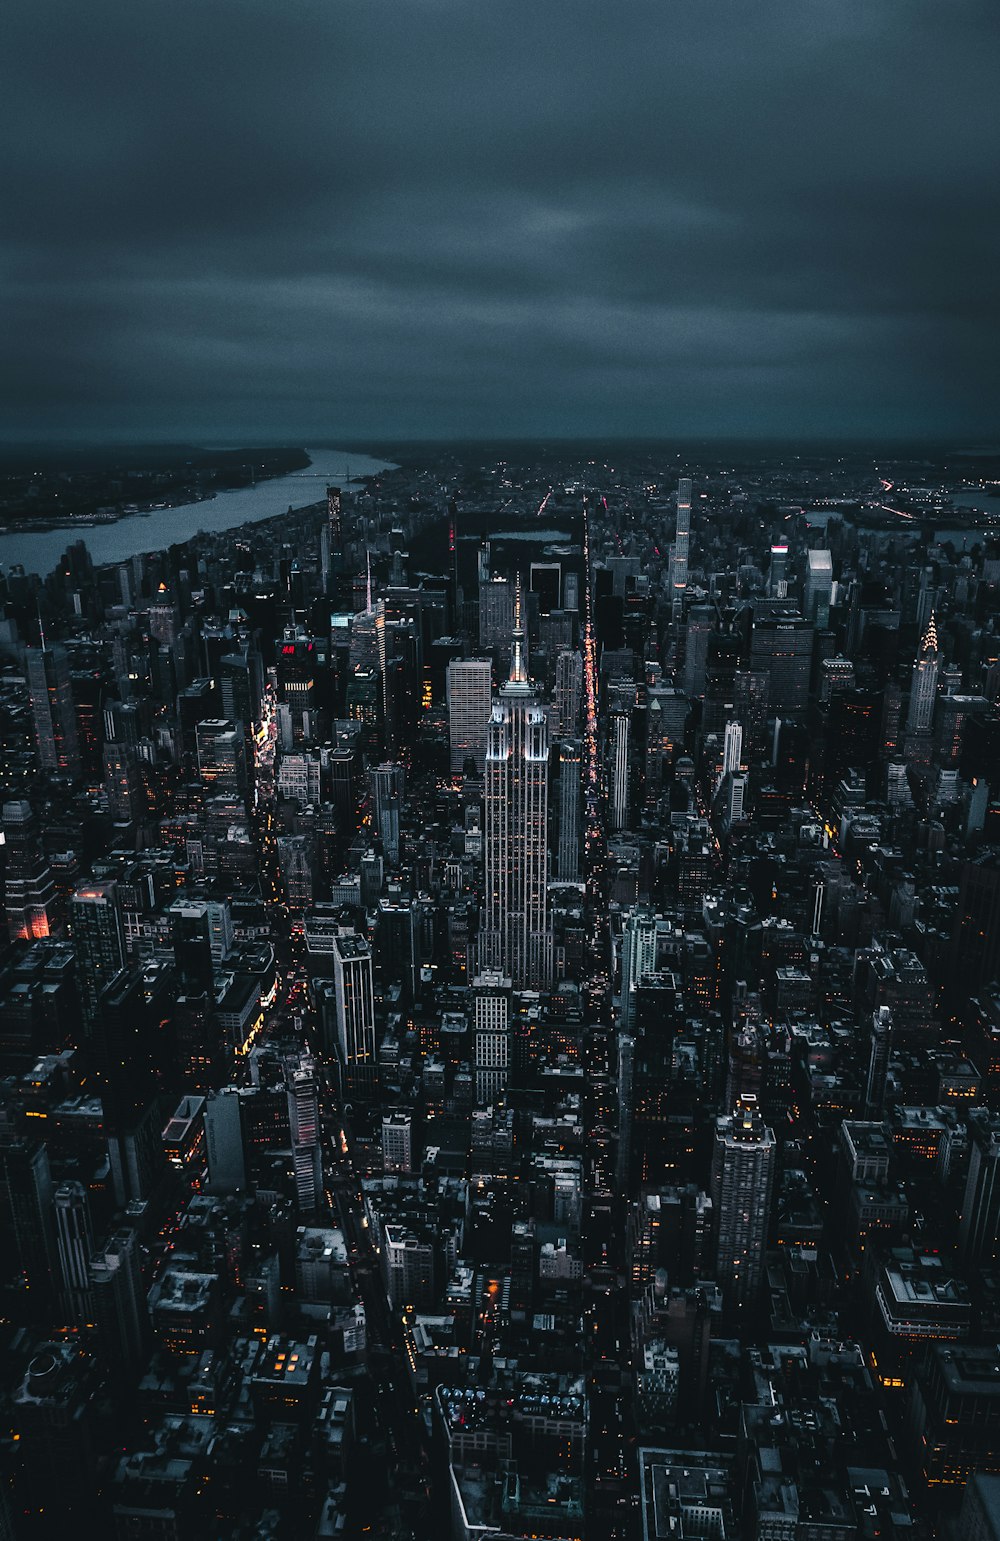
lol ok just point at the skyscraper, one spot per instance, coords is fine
(387, 783)
(923, 685)
(682, 541)
(222, 761)
(352, 977)
(782, 648)
(491, 1034)
(26, 1209)
(878, 1062)
(303, 1120)
(470, 689)
(98, 941)
(515, 938)
(742, 1179)
(334, 543)
(120, 1308)
(638, 958)
(569, 691)
(732, 749)
(74, 1249)
(979, 1229)
(818, 588)
(29, 889)
(52, 709)
(496, 605)
(777, 579)
(568, 834)
(620, 737)
(224, 1142)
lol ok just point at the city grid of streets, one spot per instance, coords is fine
(319, 1216)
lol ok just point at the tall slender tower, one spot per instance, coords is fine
(352, 975)
(742, 1181)
(52, 709)
(568, 839)
(878, 1062)
(620, 734)
(638, 957)
(74, 1246)
(303, 1119)
(515, 938)
(682, 542)
(923, 687)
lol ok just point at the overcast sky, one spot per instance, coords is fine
(295, 219)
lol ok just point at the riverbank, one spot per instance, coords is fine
(119, 541)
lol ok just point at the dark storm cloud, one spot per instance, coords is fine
(417, 216)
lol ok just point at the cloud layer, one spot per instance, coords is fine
(377, 218)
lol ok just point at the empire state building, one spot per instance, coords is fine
(515, 939)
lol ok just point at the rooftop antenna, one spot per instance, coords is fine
(41, 628)
(518, 672)
(368, 557)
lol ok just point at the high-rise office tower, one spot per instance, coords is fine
(979, 1229)
(304, 1124)
(470, 691)
(122, 783)
(191, 939)
(724, 653)
(975, 938)
(295, 863)
(878, 1062)
(682, 542)
(781, 647)
(569, 691)
(26, 1215)
(52, 709)
(491, 1035)
(241, 686)
(638, 958)
(387, 783)
(732, 749)
(224, 1148)
(98, 940)
(335, 531)
(222, 759)
(700, 626)
(29, 888)
(818, 588)
(496, 611)
(120, 1309)
(619, 745)
(737, 795)
(74, 1249)
(923, 685)
(750, 693)
(455, 590)
(352, 977)
(743, 1163)
(777, 578)
(515, 938)
(666, 721)
(568, 834)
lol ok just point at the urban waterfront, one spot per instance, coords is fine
(138, 533)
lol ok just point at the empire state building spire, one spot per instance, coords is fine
(515, 936)
(518, 669)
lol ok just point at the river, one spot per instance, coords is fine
(166, 527)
